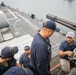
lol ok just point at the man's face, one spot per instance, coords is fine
(27, 52)
(50, 33)
(70, 40)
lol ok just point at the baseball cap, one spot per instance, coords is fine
(18, 71)
(70, 34)
(50, 25)
(27, 48)
(8, 51)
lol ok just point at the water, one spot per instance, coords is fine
(65, 9)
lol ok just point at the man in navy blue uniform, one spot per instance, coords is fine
(7, 59)
(41, 49)
(66, 50)
(25, 57)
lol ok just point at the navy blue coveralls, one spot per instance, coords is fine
(25, 60)
(40, 55)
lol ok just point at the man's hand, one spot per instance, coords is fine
(69, 53)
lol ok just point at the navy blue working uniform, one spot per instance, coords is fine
(40, 55)
(25, 60)
(64, 46)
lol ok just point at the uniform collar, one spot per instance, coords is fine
(47, 41)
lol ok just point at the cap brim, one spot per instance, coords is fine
(57, 29)
(69, 36)
(15, 50)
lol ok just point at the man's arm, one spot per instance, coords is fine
(21, 60)
(62, 54)
(68, 53)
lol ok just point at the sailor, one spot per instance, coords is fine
(32, 16)
(7, 59)
(18, 71)
(25, 57)
(2, 4)
(66, 50)
(41, 49)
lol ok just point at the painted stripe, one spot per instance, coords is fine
(12, 13)
(55, 45)
(55, 67)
